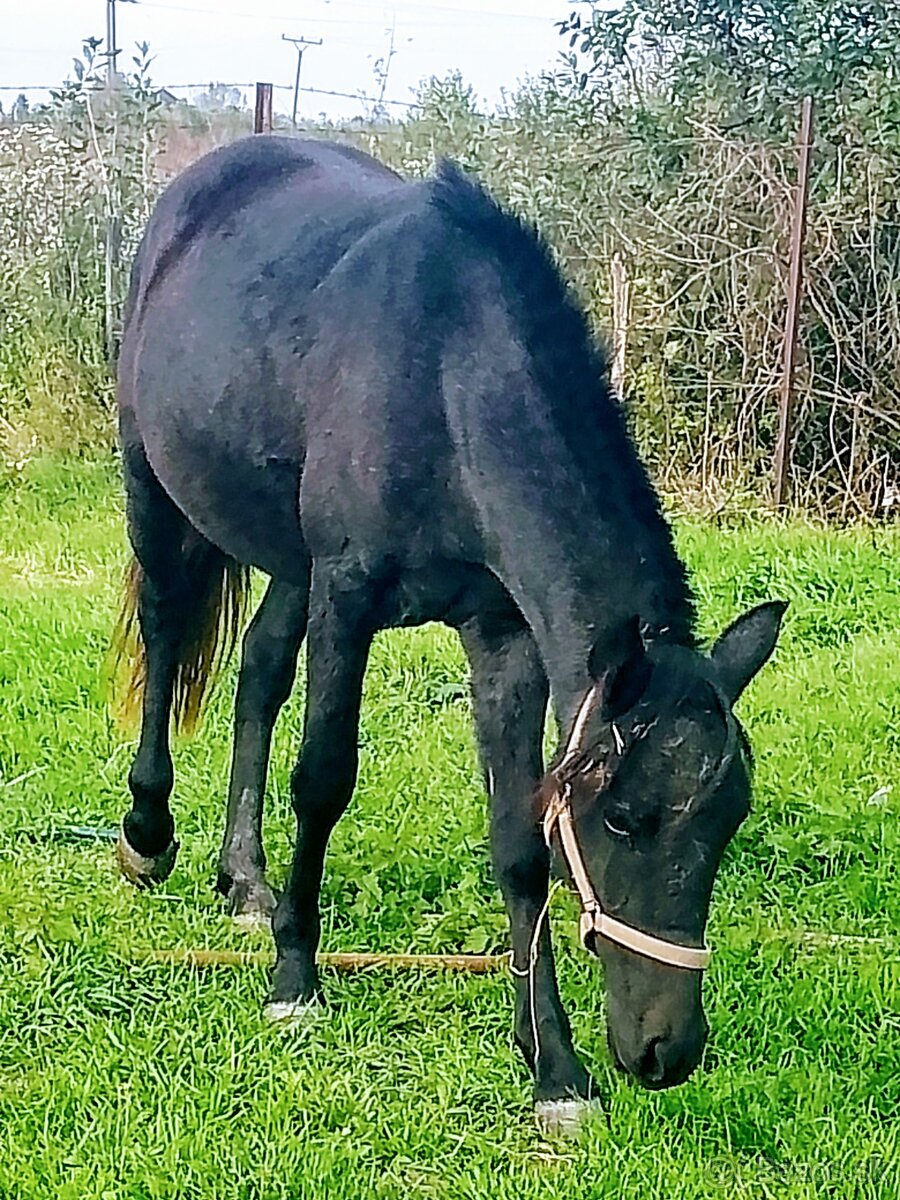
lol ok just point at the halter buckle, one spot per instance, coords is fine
(588, 924)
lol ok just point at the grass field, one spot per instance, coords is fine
(124, 1080)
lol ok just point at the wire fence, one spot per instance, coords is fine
(684, 265)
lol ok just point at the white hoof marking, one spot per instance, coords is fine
(564, 1118)
(294, 1014)
(253, 922)
(144, 871)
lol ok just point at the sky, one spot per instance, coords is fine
(494, 44)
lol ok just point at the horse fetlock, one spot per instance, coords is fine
(149, 828)
(560, 1075)
(295, 980)
(144, 871)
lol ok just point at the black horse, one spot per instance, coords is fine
(383, 395)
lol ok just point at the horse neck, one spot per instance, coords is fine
(571, 522)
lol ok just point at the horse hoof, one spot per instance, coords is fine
(564, 1118)
(144, 872)
(251, 905)
(294, 1015)
(253, 922)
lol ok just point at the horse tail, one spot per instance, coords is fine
(212, 610)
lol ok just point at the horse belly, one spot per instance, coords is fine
(222, 434)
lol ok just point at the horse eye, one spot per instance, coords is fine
(615, 827)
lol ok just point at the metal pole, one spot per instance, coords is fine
(621, 296)
(111, 43)
(794, 297)
(297, 86)
(301, 44)
(111, 260)
(262, 114)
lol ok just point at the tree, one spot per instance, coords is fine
(218, 97)
(758, 56)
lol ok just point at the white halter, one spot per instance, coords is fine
(558, 817)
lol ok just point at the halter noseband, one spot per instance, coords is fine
(559, 817)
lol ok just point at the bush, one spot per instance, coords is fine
(692, 215)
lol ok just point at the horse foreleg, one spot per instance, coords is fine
(339, 638)
(509, 689)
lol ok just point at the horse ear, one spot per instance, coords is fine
(619, 665)
(746, 645)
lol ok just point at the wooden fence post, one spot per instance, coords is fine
(794, 296)
(262, 114)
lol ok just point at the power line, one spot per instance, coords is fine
(286, 87)
(360, 96)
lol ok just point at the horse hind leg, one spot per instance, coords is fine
(268, 666)
(182, 591)
(340, 634)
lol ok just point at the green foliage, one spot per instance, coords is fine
(700, 218)
(702, 96)
(684, 179)
(79, 175)
(750, 60)
(131, 1081)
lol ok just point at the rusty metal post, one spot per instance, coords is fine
(111, 306)
(621, 311)
(262, 114)
(794, 297)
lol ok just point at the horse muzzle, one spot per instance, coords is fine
(660, 1059)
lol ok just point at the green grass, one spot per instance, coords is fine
(134, 1082)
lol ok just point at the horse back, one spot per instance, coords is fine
(220, 320)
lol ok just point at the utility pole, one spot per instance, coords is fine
(112, 50)
(262, 113)
(386, 68)
(301, 44)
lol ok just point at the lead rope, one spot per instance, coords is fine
(528, 973)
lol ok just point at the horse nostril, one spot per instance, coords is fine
(653, 1069)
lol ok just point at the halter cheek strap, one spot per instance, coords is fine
(558, 818)
(593, 919)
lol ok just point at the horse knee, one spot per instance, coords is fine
(267, 675)
(323, 780)
(521, 870)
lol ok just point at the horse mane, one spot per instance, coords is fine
(573, 371)
(546, 301)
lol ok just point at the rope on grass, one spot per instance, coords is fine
(477, 963)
